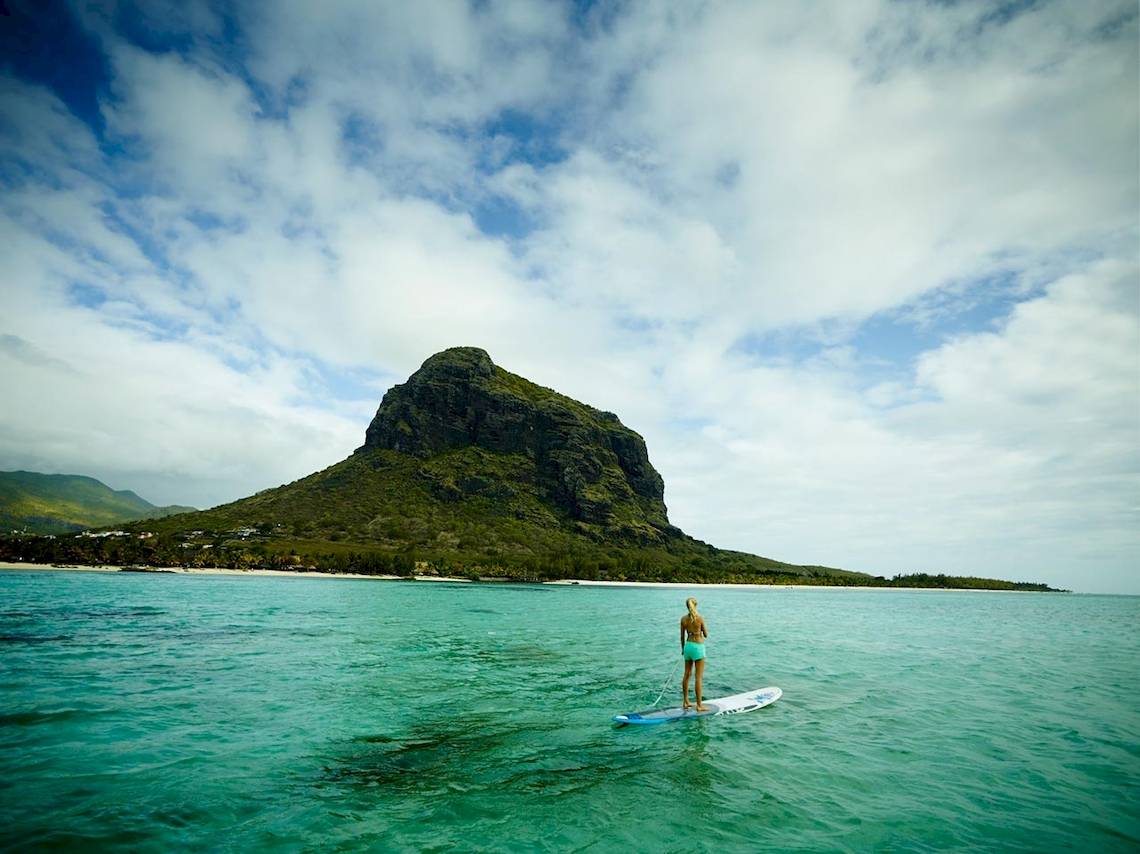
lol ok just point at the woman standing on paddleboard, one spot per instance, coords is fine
(693, 634)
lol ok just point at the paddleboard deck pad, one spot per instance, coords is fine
(749, 701)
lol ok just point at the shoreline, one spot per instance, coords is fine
(562, 582)
(210, 570)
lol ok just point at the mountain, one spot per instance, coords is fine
(471, 468)
(466, 470)
(61, 503)
(498, 436)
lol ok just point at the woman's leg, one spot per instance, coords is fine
(700, 675)
(685, 684)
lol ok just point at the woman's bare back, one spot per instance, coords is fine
(694, 629)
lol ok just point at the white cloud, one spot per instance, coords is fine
(114, 401)
(845, 191)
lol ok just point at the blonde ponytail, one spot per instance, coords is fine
(691, 604)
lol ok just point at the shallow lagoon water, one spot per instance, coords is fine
(159, 712)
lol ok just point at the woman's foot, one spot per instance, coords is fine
(702, 708)
(686, 705)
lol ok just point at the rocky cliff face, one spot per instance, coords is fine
(587, 463)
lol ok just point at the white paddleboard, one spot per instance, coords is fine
(747, 702)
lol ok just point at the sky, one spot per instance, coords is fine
(864, 274)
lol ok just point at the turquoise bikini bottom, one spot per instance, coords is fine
(694, 651)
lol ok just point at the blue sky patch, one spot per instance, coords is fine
(339, 383)
(361, 139)
(531, 139)
(499, 216)
(42, 42)
(208, 221)
(784, 346)
(137, 26)
(86, 295)
(887, 344)
(149, 245)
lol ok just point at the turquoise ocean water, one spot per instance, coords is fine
(171, 712)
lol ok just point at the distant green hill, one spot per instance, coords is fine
(63, 503)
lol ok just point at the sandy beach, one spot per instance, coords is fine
(210, 570)
(179, 570)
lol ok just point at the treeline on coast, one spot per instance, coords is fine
(134, 550)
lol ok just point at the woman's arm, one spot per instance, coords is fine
(682, 635)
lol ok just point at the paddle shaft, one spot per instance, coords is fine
(666, 685)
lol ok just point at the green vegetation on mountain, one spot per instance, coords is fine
(466, 470)
(61, 503)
